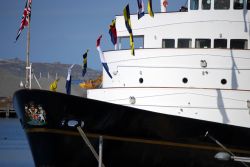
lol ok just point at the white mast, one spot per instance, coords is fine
(28, 67)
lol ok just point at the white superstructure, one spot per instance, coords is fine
(193, 63)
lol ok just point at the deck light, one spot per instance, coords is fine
(222, 156)
(72, 123)
(132, 100)
(115, 72)
(203, 63)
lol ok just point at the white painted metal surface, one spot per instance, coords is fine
(211, 84)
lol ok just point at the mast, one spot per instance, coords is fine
(28, 67)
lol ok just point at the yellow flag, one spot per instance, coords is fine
(126, 14)
(53, 85)
(150, 9)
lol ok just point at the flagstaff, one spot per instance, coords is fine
(26, 23)
(28, 67)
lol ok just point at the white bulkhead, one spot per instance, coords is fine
(193, 63)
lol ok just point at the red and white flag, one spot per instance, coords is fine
(25, 18)
(165, 3)
(104, 63)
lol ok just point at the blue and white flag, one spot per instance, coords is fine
(104, 63)
(68, 80)
(140, 8)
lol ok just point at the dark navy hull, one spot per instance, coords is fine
(131, 137)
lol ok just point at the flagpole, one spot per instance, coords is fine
(28, 67)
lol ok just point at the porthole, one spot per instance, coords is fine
(184, 80)
(223, 81)
(141, 80)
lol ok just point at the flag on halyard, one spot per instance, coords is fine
(113, 33)
(25, 18)
(84, 65)
(126, 14)
(104, 63)
(165, 3)
(68, 80)
(150, 9)
(53, 85)
(140, 8)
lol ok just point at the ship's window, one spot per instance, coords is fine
(220, 43)
(141, 80)
(221, 4)
(184, 43)
(223, 81)
(206, 4)
(124, 42)
(168, 43)
(194, 4)
(238, 4)
(184, 80)
(238, 44)
(139, 41)
(202, 43)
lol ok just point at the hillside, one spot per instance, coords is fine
(12, 72)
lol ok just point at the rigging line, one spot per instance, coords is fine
(183, 93)
(222, 146)
(194, 68)
(186, 55)
(193, 22)
(184, 107)
(130, 139)
(87, 142)
(149, 96)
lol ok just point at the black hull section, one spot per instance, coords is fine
(131, 137)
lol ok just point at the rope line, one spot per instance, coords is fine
(187, 107)
(194, 68)
(185, 55)
(183, 93)
(179, 23)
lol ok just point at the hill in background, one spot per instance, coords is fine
(12, 72)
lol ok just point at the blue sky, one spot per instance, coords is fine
(62, 30)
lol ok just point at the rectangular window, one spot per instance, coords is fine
(184, 43)
(203, 43)
(222, 4)
(138, 41)
(220, 43)
(125, 42)
(168, 43)
(248, 4)
(206, 4)
(194, 4)
(238, 44)
(238, 4)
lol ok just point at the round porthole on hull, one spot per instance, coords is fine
(223, 81)
(140, 80)
(185, 80)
